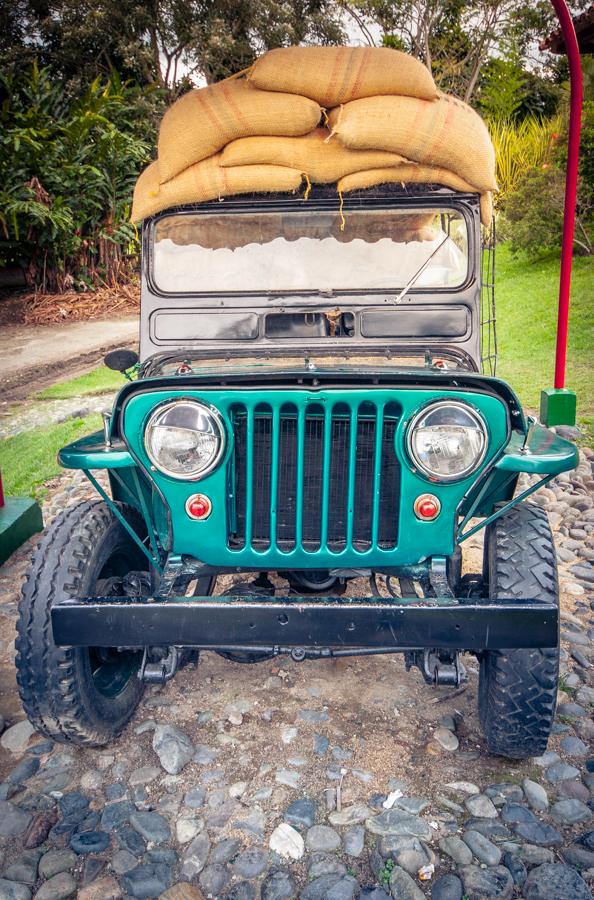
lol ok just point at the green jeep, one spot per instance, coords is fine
(314, 398)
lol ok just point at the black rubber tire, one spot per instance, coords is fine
(518, 688)
(56, 686)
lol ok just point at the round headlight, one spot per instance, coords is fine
(184, 439)
(447, 441)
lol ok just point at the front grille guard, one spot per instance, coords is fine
(317, 476)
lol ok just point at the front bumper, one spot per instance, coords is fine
(279, 623)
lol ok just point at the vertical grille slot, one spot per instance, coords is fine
(320, 477)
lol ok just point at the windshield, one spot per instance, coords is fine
(310, 250)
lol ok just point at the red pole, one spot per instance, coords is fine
(571, 177)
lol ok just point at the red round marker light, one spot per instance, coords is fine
(427, 507)
(198, 506)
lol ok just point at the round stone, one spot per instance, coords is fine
(570, 812)
(535, 794)
(331, 887)
(279, 885)
(481, 806)
(214, 879)
(55, 861)
(301, 813)
(57, 887)
(353, 840)
(555, 882)
(448, 887)
(482, 848)
(195, 798)
(512, 813)
(455, 848)
(481, 884)
(516, 868)
(573, 746)
(122, 862)
(152, 826)
(539, 833)
(322, 837)
(89, 842)
(403, 887)
(287, 842)
(320, 864)
(446, 739)
(250, 863)
(147, 880)
(130, 840)
(225, 850)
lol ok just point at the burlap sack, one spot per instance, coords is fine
(207, 180)
(444, 132)
(203, 121)
(411, 173)
(486, 208)
(322, 160)
(333, 75)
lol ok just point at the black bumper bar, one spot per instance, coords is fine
(208, 622)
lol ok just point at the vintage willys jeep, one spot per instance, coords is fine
(309, 401)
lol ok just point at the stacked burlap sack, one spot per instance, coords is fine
(354, 116)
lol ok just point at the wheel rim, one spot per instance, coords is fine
(112, 669)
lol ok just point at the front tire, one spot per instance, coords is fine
(82, 695)
(518, 688)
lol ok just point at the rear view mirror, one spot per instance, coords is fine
(121, 360)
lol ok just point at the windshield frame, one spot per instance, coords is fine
(208, 300)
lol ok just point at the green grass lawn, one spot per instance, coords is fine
(526, 302)
(99, 381)
(28, 459)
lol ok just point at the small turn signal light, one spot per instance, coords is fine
(427, 507)
(198, 506)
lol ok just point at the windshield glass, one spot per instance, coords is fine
(310, 250)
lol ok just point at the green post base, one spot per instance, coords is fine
(557, 407)
(20, 517)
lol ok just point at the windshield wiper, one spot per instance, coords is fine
(412, 281)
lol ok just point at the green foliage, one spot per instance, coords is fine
(67, 171)
(520, 146)
(29, 459)
(500, 93)
(98, 381)
(526, 296)
(160, 42)
(533, 211)
(385, 873)
(456, 39)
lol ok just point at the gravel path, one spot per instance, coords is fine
(327, 779)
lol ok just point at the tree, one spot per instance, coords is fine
(160, 42)
(455, 38)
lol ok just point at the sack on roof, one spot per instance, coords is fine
(333, 75)
(207, 180)
(445, 133)
(201, 122)
(412, 173)
(322, 160)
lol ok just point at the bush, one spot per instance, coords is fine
(533, 211)
(67, 170)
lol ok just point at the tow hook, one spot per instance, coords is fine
(162, 670)
(438, 667)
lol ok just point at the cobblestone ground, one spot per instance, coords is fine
(327, 779)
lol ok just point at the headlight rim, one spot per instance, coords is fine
(216, 417)
(434, 404)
